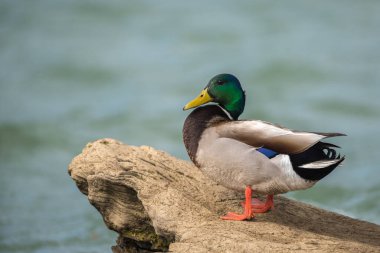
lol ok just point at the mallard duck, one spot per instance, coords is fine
(252, 155)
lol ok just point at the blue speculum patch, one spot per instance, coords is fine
(267, 152)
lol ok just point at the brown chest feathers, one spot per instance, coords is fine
(194, 125)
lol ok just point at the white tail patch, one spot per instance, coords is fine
(320, 164)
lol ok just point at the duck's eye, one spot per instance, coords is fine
(220, 82)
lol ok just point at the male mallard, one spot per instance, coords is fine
(252, 155)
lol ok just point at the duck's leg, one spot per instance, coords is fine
(261, 207)
(247, 213)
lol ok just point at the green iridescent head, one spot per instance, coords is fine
(225, 90)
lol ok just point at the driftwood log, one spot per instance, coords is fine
(159, 203)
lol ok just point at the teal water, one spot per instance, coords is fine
(75, 71)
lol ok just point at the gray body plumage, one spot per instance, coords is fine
(226, 151)
(235, 165)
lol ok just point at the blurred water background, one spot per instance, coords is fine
(75, 71)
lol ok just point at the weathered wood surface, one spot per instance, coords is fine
(158, 203)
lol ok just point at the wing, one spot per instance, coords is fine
(262, 134)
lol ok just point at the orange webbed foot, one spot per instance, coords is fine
(238, 217)
(248, 212)
(262, 207)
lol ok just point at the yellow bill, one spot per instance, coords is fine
(203, 98)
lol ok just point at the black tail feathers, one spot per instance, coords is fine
(316, 162)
